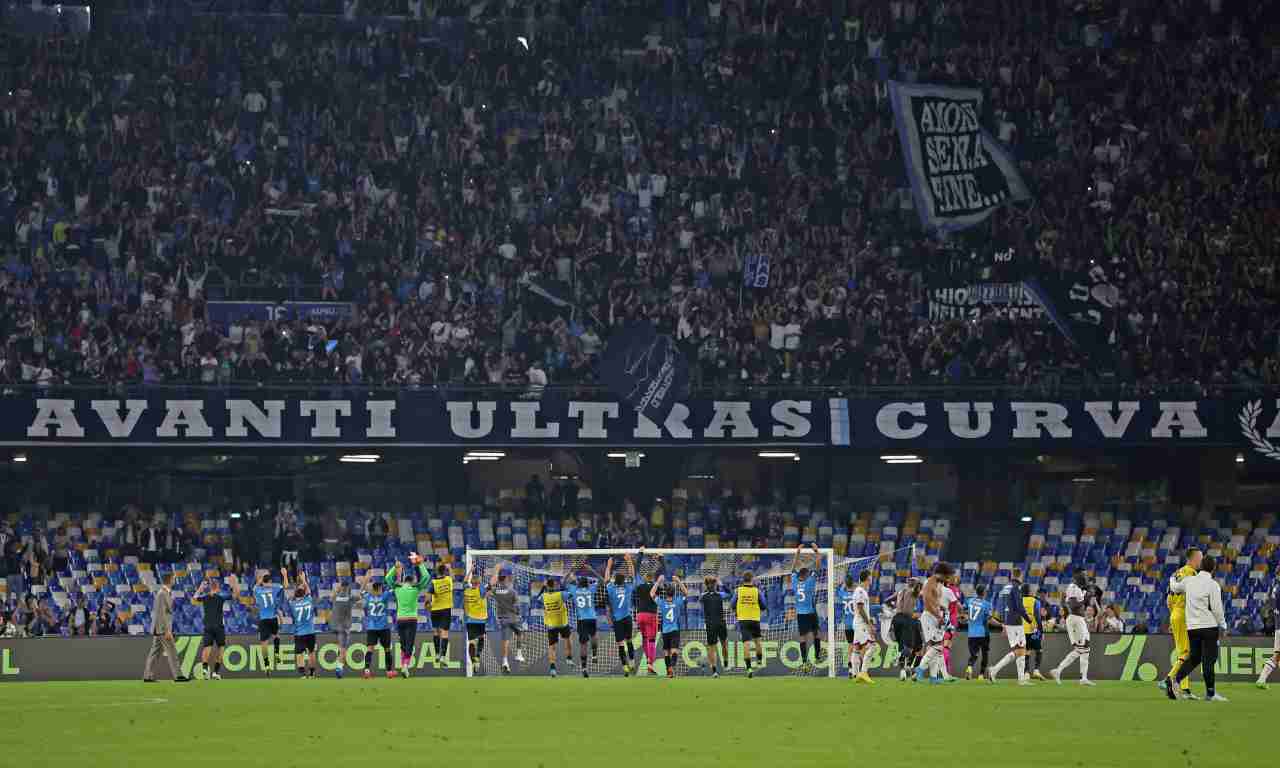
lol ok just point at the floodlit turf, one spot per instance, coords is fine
(544, 723)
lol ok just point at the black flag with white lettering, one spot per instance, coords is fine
(959, 173)
(1082, 304)
(645, 369)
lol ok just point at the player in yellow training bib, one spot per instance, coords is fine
(1178, 617)
(475, 606)
(555, 617)
(746, 604)
(441, 610)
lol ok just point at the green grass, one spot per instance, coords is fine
(544, 723)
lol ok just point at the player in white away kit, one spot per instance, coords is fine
(933, 622)
(1274, 661)
(857, 622)
(1079, 598)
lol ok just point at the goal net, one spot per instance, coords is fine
(527, 652)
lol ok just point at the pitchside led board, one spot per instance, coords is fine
(447, 419)
(1114, 657)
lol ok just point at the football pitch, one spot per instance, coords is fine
(552, 723)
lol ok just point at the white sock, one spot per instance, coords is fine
(855, 663)
(1084, 665)
(1021, 663)
(1267, 669)
(1001, 664)
(926, 661)
(1071, 657)
(939, 665)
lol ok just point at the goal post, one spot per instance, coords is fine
(526, 571)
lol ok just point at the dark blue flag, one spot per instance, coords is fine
(645, 369)
(1082, 304)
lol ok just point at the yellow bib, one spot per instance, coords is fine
(748, 607)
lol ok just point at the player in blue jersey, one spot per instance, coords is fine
(269, 599)
(303, 609)
(670, 608)
(377, 622)
(621, 588)
(804, 586)
(978, 611)
(583, 599)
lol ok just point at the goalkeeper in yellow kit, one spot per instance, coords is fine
(1178, 618)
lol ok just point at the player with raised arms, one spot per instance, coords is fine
(747, 605)
(670, 607)
(506, 604)
(804, 585)
(856, 602)
(555, 617)
(441, 610)
(475, 607)
(712, 600)
(269, 599)
(340, 621)
(647, 611)
(377, 623)
(583, 597)
(304, 624)
(620, 590)
(213, 594)
(407, 589)
(1079, 598)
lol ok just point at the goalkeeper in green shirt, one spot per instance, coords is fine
(407, 587)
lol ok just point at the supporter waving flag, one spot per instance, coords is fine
(645, 369)
(959, 173)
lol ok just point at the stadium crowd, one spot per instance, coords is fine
(629, 159)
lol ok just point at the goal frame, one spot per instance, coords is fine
(827, 553)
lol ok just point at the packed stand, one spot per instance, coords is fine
(103, 570)
(634, 161)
